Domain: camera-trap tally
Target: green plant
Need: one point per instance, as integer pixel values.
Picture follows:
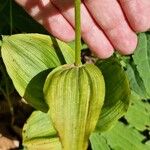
(31, 59)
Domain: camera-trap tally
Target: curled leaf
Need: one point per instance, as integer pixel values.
(75, 96)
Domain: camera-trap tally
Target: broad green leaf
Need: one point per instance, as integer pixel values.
(148, 144)
(124, 137)
(136, 83)
(138, 114)
(117, 94)
(121, 137)
(39, 134)
(141, 58)
(44, 144)
(98, 142)
(27, 55)
(72, 45)
(75, 95)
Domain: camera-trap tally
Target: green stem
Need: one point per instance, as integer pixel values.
(78, 32)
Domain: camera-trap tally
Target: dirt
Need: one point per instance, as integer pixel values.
(8, 143)
(11, 134)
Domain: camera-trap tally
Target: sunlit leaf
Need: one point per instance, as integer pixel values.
(98, 142)
(121, 137)
(39, 134)
(75, 95)
(27, 55)
(138, 114)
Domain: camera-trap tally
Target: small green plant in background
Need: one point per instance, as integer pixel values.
(72, 113)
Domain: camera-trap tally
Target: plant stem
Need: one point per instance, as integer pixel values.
(78, 32)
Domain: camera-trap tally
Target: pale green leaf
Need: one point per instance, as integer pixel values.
(39, 133)
(121, 137)
(72, 44)
(75, 95)
(27, 55)
(43, 144)
(117, 94)
(138, 114)
(148, 144)
(98, 142)
(141, 58)
(125, 138)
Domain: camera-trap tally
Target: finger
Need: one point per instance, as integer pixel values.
(137, 13)
(110, 18)
(49, 16)
(98, 43)
(91, 34)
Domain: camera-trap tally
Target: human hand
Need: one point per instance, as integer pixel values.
(106, 24)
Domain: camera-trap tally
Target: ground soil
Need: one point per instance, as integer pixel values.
(10, 134)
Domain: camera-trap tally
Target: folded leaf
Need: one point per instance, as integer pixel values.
(75, 96)
(26, 55)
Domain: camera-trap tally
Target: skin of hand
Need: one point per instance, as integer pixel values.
(105, 24)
